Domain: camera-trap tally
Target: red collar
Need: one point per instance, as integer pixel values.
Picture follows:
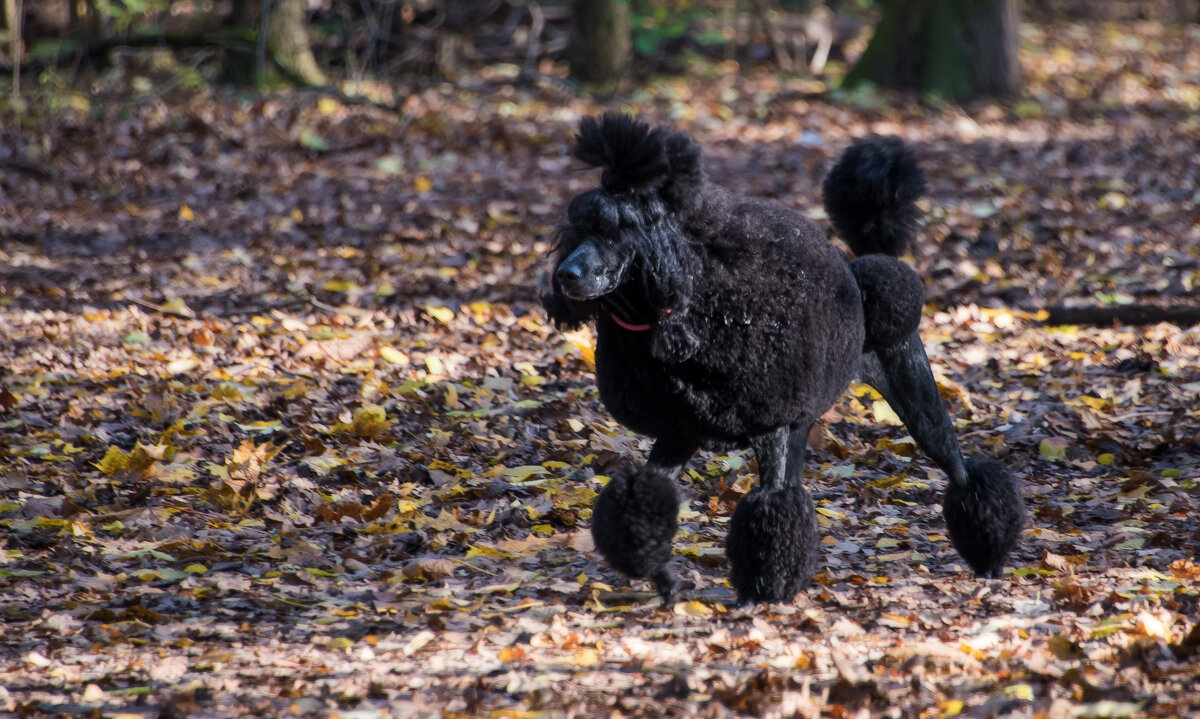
(626, 325)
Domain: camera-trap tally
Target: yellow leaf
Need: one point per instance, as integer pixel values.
(575, 425)
(339, 643)
(180, 366)
(831, 513)
(114, 461)
(327, 105)
(178, 306)
(864, 390)
(583, 341)
(884, 414)
(439, 313)
(951, 708)
(370, 421)
(542, 528)
(1095, 402)
(338, 286)
(247, 460)
(585, 658)
(140, 460)
(422, 184)
(512, 654)
(1106, 458)
(1152, 626)
(1020, 691)
(484, 550)
(1112, 201)
(434, 365)
(186, 214)
(694, 608)
(1054, 448)
(520, 474)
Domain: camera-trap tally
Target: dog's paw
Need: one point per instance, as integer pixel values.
(667, 586)
(772, 545)
(674, 341)
(984, 518)
(634, 521)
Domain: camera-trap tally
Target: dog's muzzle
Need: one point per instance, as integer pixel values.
(585, 274)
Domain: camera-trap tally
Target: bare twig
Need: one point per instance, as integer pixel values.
(14, 43)
(262, 42)
(537, 23)
(160, 309)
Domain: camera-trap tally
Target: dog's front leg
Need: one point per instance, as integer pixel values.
(772, 543)
(983, 507)
(636, 515)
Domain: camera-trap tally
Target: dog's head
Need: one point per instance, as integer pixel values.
(624, 250)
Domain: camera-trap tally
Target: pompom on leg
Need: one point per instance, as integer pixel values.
(633, 523)
(772, 545)
(984, 516)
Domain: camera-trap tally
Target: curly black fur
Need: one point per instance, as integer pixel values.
(723, 322)
(984, 516)
(870, 195)
(633, 522)
(892, 299)
(772, 544)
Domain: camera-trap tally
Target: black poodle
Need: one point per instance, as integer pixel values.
(724, 322)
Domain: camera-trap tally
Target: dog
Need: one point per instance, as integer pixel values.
(724, 322)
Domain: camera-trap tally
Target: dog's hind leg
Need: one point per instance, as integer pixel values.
(772, 543)
(636, 515)
(983, 507)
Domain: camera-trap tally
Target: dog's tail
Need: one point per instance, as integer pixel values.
(871, 194)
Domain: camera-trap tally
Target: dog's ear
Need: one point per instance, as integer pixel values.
(687, 170)
(565, 314)
(673, 341)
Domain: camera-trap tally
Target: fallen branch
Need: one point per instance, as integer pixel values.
(97, 52)
(1133, 314)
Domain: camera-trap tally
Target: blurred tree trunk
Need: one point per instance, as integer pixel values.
(12, 28)
(287, 36)
(956, 48)
(601, 40)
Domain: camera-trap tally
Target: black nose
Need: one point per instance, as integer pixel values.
(569, 272)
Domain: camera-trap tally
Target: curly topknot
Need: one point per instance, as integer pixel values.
(638, 158)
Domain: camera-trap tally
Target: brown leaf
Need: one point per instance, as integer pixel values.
(427, 569)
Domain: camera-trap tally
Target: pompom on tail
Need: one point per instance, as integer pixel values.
(871, 194)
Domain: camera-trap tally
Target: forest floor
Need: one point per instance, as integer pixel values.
(284, 429)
